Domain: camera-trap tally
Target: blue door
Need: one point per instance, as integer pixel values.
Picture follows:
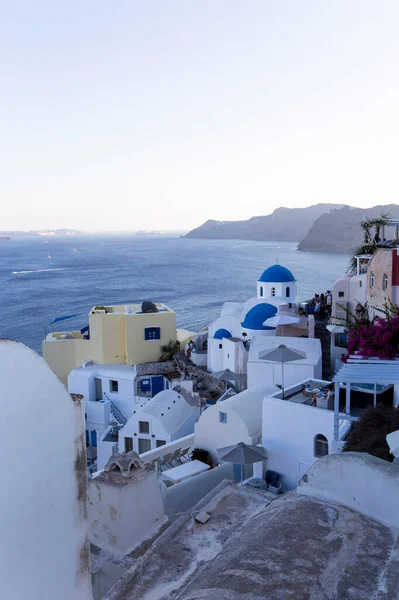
(157, 385)
(94, 438)
(238, 473)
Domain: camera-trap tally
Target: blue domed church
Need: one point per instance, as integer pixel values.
(229, 336)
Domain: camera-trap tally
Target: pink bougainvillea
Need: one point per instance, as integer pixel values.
(379, 338)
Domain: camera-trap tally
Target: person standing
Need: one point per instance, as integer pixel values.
(317, 308)
(323, 305)
(328, 303)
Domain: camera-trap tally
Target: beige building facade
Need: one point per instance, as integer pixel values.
(116, 334)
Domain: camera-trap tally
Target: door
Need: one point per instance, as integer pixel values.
(94, 438)
(157, 385)
(99, 389)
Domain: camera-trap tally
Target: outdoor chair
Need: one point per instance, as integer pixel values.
(184, 453)
(272, 482)
(164, 460)
(174, 456)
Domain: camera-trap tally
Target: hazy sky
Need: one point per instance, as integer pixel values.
(160, 114)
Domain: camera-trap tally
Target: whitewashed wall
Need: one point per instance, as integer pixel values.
(123, 516)
(262, 373)
(210, 434)
(360, 481)
(288, 432)
(44, 549)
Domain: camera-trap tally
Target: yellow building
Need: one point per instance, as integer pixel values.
(129, 334)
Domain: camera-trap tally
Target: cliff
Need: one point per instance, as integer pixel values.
(283, 225)
(339, 230)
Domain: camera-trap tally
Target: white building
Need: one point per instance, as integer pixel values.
(230, 335)
(237, 419)
(112, 393)
(164, 419)
(295, 433)
(125, 505)
(44, 548)
(270, 372)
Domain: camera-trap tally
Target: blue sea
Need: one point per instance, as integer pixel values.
(193, 277)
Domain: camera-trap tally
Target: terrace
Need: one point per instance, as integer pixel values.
(361, 383)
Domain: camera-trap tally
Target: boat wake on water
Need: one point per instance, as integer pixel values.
(37, 271)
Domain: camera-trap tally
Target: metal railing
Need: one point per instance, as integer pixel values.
(116, 412)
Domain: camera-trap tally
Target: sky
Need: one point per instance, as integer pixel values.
(161, 114)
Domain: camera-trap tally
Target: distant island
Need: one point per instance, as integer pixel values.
(340, 231)
(41, 232)
(317, 228)
(283, 225)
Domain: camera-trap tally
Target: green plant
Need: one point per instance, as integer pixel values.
(370, 242)
(202, 455)
(169, 350)
(369, 433)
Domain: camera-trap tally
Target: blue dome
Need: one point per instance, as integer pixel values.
(276, 274)
(258, 314)
(221, 333)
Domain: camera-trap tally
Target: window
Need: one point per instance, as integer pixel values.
(113, 385)
(144, 445)
(261, 290)
(128, 444)
(152, 333)
(320, 446)
(341, 340)
(341, 294)
(145, 385)
(222, 417)
(385, 282)
(371, 279)
(144, 427)
(160, 443)
(273, 291)
(220, 346)
(360, 283)
(87, 438)
(287, 291)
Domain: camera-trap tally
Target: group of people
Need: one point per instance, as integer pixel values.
(321, 305)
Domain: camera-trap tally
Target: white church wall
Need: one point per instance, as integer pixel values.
(44, 547)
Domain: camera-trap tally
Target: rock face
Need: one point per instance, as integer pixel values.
(339, 230)
(283, 225)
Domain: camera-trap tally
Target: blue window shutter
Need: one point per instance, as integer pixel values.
(94, 438)
(87, 436)
(152, 333)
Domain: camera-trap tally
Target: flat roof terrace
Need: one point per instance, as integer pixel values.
(128, 309)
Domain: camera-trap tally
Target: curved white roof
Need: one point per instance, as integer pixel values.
(170, 408)
(248, 405)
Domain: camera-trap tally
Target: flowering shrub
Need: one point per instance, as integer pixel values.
(379, 338)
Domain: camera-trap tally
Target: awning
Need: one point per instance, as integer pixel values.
(64, 318)
(383, 372)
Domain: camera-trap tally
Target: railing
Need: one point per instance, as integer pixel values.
(116, 412)
(180, 444)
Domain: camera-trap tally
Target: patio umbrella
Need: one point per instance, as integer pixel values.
(282, 319)
(282, 354)
(227, 375)
(242, 454)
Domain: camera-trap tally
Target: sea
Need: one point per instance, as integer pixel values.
(42, 278)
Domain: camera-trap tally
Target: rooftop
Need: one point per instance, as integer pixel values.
(290, 547)
(128, 309)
